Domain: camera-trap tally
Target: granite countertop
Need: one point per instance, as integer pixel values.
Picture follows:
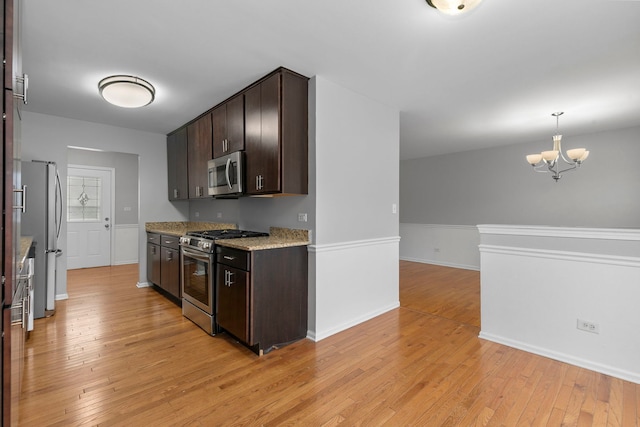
(180, 228)
(25, 245)
(278, 238)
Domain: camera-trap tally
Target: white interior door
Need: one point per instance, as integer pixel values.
(89, 217)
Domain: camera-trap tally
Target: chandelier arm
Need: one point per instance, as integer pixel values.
(569, 169)
(567, 161)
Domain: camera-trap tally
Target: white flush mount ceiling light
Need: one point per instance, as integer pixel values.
(127, 91)
(549, 161)
(453, 7)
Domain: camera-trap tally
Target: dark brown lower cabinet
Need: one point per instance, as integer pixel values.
(163, 263)
(262, 295)
(170, 271)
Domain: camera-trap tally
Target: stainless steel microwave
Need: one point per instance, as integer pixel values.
(226, 175)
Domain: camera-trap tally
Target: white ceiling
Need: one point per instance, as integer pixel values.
(491, 77)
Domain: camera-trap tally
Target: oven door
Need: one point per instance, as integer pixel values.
(197, 278)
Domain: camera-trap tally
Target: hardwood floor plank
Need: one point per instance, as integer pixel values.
(118, 355)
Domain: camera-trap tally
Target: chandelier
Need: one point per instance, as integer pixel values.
(550, 161)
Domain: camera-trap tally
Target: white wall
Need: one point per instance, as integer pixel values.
(354, 258)
(447, 245)
(536, 282)
(46, 137)
(497, 186)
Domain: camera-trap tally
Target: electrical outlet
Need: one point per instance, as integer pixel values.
(219, 215)
(394, 208)
(197, 214)
(585, 325)
(302, 217)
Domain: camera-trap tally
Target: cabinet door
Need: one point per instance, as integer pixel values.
(219, 124)
(153, 263)
(262, 136)
(233, 301)
(200, 151)
(228, 127)
(170, 271)
(235, 124)
(177, 165)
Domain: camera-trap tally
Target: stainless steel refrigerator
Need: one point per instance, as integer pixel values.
(42, 220)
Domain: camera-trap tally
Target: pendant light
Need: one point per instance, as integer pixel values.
(549, 161)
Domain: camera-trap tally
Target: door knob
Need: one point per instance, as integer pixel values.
(106, 226)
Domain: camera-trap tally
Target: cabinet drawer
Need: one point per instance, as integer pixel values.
(153, 238)
(233, 257)
(170, 242)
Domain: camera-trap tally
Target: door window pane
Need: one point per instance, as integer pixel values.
(83, 198)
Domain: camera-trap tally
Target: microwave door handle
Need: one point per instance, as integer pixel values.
(226, 172)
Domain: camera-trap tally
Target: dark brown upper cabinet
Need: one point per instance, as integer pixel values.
(228, 126)
(199, 152)
(177, 165)
(276, 134)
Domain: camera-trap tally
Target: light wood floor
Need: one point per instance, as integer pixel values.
(117, 355)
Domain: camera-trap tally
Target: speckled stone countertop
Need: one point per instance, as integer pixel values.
(278, 238)
(179, 228)
(25, 244)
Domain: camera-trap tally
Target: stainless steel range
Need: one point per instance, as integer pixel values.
(198, 274)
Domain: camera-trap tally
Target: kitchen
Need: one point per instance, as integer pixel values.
(365, 232)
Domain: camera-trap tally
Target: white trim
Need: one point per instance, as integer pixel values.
(351, 323)
(562, 357)
(443, 226)
(60, 297)
(112, 215)
(143, 285)
(571, 232)
(118, 248)
(441, 263)
(562, 255)
(353, 244)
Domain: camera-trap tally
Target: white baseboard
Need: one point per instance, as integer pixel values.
(60, 297)
(126, 262)
(353, 322)
(583, 363)
(143, 285)
(441, 263)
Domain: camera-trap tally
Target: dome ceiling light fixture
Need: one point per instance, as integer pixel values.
(126, 91)
(549, 161)
(453, 7)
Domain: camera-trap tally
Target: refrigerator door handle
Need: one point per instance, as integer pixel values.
(58, 218)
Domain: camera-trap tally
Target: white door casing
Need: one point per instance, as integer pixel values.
(89, 216)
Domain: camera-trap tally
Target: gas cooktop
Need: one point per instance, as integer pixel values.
(225, 234)
(201, 240)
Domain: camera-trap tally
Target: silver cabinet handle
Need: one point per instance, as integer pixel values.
(230, 258)
(228, 278)
(169, 256)
(23, 191)
(175, 193)
(25, 85)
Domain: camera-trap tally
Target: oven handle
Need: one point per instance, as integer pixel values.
(196, 254)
